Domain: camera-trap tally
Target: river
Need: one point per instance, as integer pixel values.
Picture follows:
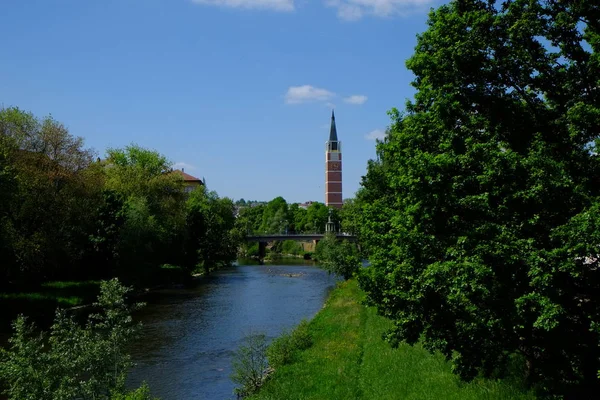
(190, 335)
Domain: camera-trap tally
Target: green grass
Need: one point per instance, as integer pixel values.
(70, 284)
(34, 297)
(349, 360)
(40, 303)
(64, 293)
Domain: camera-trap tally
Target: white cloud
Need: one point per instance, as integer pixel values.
(307, 93)
(352, 10)
(184, 165)
(356, 99)
(375, 134)
(348, 12)
(275, 5)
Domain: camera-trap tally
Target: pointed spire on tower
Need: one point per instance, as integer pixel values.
(333, 130)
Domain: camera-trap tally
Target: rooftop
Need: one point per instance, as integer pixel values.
(186, 177)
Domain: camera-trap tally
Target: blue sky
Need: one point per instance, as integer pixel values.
(236, 91)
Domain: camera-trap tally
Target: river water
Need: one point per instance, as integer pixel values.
(190, 335)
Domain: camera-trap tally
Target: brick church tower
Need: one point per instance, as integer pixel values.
(333, 168)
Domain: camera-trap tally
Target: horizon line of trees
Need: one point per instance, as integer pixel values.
(279, 217)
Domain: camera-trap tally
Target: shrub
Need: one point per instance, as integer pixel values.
(73, 362)
(253, 250)
(281, 350)
(291, 247)
(142, 393)
(284, 348)
(337, 257)
(302, 339)
(250, 365)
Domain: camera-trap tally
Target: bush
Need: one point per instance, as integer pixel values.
(291, 247)
(280, 352)
(73, 362)
(250, 365)
(284, 348)
(337, 257)
(142, 393)
(302, 338)
(253, 250)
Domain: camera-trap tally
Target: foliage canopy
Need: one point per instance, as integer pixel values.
(337, 257)
(481, 212)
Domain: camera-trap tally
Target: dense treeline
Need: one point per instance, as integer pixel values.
(277, 216)
(481, 213)
(66, 214)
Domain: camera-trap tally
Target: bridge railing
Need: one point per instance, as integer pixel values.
(295, 235)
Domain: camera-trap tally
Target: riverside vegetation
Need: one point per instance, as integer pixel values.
(75, 361)
(340, 355)
(481, 213)
(480, 217)
(279, 217)
(68, 221)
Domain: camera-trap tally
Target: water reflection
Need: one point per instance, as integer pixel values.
(190, 334)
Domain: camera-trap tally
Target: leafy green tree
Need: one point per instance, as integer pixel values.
(136, 172)
(275, 216)
(7, 194)
(46, 212)
(250, 219)
(153, 206)
(338, 257)
(211, 240)
(139, 172)
(350, 216)
(296, 217)
(317, 215)
(88, 362)
(105, 238)
(291, 247)
(142, 239)
(480, 212)
(248, 223)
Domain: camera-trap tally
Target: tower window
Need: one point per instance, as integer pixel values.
(334, 146)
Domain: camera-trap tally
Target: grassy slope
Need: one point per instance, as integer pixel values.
(349, 360)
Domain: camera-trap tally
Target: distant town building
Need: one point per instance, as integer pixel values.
(190, 182)
(333, 168)
(305, 205)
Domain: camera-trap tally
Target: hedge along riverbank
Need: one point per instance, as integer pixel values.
(349, 360)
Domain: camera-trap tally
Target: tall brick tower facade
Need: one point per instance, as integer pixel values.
(333, 168)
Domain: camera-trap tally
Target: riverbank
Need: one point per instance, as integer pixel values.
(349, 360)
(189, 335)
